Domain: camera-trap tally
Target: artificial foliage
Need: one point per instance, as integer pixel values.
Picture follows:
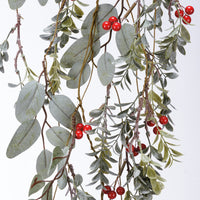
(131, 142)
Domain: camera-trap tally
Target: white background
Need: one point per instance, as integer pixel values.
(16, 174)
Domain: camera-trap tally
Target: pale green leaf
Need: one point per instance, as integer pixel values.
(105, 68)
(59, 136)
(30, 101)
(185, 34)
(77, 52)
(43, 164)
(78, 180)
(75, 73)
(35, 186)
(48, 190)
(15, 4)
(62, 109)
(43, 2)
(25, 136)
(125, 38)
(160, 146)
(151, 173)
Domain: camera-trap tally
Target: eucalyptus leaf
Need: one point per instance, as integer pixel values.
(48, 190)
(62, 109)
(105, 68)
(43, 164)
(62, 181)
(36, 184)
(30, 101)
(15, 4)
(105, 11)
(59, 136)
(43, 2)
(78, 180)
(125, 38)
(75, 72)
(25, 136)
(77, 52)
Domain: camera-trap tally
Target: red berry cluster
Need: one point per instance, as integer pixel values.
(112, 22)
(185, 14)
(136, 150)
(111, 193)
(80, 128)
(163, 120)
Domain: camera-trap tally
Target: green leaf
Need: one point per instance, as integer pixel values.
(25, 136)
(15, 4)
(43, 164)
(166, 153)
(105, 11)
(145, 158)
(105, 68)
(125, 38)
(62, 109)
(171, 75)
(30, 101)
(59, 136)
(160, 146)
(153, 6)
(75, 73)
(168, 51)
(156, 186)
(62, 181)
(181, 50)
(151, 173)
(78, 180)
(78, 11)
(49, 191)
(43, 2)
(177, 153)
(95, 113)
(77, 51)
(35, 187)
(185, 34)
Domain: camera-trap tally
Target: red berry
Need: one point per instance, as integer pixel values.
(120, 190)
(79, 126)
(150, 123)
(106, 25)
(135, 152)
(189, 10)
(79, 134)
(87, 128)
(113, 19)
(179, 12)
(116, 26)
(143, 147)
(112, 195)
(186, 18)
(163, 120)
(106, 189)
(156, 130)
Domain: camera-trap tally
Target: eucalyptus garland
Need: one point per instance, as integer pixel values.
(131, 142)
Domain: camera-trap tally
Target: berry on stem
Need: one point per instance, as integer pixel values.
(179, 13)
(79, 126)
(156, 130)
(113, 19)
(189, 10)
(120, 190)
(143, 147)
(150, 123)
(116, 26)
(112, 195)
(186, 19)
(163, 120)
(106, 25)
(106, 189)
(79, 134)
(87, 128)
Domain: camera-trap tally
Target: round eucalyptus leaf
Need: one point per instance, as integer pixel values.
(15, 4)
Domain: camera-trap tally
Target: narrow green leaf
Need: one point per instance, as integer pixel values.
(166, 153)
(25, 136)
(30, 101)
(48, 190)
(106, 68)
(160, 146)
(177, 153)
(185, 34)
(171, 75)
